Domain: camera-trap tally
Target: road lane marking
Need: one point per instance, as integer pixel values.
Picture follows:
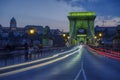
(37, 66)
(39, 60)
(81, 71)
(84, 75)
(76, 78)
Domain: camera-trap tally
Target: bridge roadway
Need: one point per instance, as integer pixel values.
(76, 64)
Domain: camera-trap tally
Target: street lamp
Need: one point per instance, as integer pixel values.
(95, 37)
(68, 37)
(64, 35)
(100, 38)
(100, 34)
(31, 32)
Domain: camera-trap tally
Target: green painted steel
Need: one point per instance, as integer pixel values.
(81, 23)
(81, 14)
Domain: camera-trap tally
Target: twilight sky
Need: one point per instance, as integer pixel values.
(54, 12)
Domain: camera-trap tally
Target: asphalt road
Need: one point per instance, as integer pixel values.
(80, 64)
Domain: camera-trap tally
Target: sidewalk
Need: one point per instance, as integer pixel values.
(11, 52)
(18, 56)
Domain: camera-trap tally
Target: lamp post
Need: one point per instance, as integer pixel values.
(95, 37)
(68, 37)
(64, 35)
(31, 33)
(100, 36)
(96, 43)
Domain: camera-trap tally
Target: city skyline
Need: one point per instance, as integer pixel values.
(54, 12)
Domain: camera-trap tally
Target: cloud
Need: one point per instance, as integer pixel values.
(77, 3)
(78, 9)
(107, 21)
(101, 7)
(72, 5)
(107, 11)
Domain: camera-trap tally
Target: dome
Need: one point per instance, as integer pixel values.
(13, 19)
(13, 23)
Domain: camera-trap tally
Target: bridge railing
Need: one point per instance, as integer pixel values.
(19, 56)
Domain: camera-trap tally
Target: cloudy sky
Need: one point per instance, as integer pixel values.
(54, 12)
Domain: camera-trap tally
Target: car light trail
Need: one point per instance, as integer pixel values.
(26, 63)
(39, 65)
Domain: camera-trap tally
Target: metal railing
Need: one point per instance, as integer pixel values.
(16, 57)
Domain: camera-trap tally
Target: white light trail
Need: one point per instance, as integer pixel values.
(37, 66)
(26, 63)
(81, 71)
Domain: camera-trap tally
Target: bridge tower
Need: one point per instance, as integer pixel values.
(81, 27)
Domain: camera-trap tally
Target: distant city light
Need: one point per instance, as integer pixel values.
(32, 31)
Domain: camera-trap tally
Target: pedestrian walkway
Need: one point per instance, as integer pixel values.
(19, 56)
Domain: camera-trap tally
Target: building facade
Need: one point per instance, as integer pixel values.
(13, 24)
(116, 39)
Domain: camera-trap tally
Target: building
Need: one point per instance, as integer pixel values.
(11, 35)
(55, 32)
(106, 38)
(18, 36)
(116, 39)
(13, 24)
(38, 29)
(0, 28)
(57, 37)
